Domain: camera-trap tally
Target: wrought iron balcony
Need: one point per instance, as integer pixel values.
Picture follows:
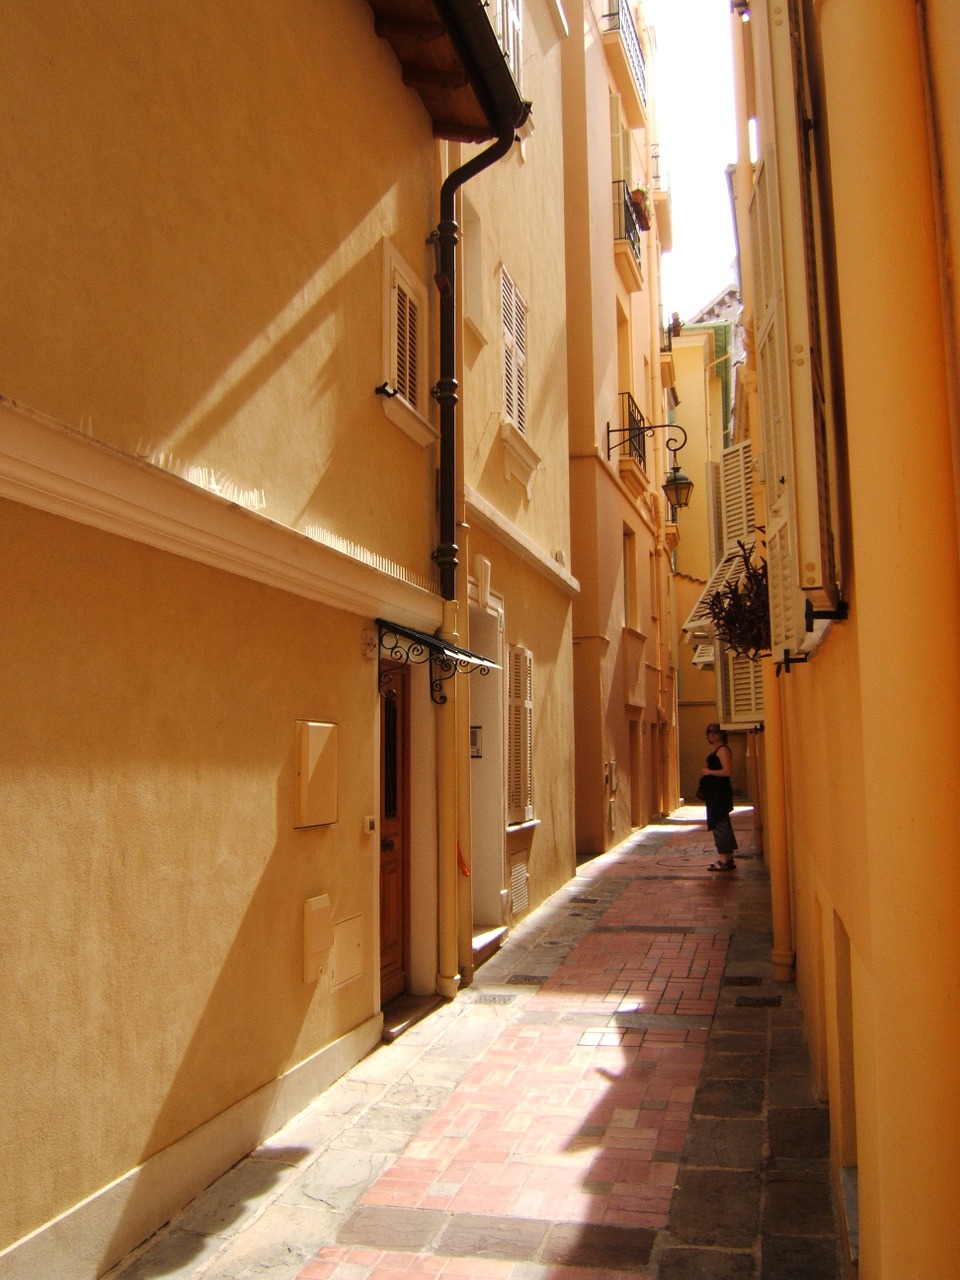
(626, 226)
(629, 437)
(619, 19)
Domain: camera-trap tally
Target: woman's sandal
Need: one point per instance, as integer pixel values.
(728, 865)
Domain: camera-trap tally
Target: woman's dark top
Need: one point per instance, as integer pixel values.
(717, 792)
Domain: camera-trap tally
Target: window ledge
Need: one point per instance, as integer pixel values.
(527, 825)
(520, 461)
(404, 416)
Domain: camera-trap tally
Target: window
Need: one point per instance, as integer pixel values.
(406, 342)
(519, 735)
(739, 688)
(793, 368)
(472, 255)
(514, 311)
(509, 32)
(631, 611)
(404, 348)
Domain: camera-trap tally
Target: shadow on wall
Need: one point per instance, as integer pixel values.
(147, 775)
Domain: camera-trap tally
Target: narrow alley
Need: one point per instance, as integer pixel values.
(623, 1089)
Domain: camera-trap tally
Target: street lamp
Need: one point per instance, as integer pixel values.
(678, 486)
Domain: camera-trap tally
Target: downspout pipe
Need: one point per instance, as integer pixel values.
(468, 25)
(448, 796)
(445, 392)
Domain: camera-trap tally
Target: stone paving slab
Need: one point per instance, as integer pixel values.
(624, 1090)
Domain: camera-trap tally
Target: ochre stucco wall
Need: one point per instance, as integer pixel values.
(154, 959)
(202, 284)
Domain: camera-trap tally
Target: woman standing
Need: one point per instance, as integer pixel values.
(716, 790)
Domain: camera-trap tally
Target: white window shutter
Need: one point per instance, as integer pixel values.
(746, 689)
(786, 604)
(620, 154)
(790, 367)
(520, 339)
(786, 609)
(519, 735)
(736, 496)
(771, 332)
(514, 312)
(510, 33)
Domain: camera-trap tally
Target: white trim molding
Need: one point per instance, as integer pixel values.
(96, 1233)
(486, 516)
(54, 468)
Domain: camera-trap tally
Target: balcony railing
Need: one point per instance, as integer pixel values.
(621, 19)
(625, 224)
(628, 437)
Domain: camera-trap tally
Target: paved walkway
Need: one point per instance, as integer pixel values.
(624, 1089)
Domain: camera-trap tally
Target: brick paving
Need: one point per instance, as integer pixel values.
(624, 1089)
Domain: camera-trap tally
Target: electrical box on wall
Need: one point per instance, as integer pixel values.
(317, 783)
(317, 936)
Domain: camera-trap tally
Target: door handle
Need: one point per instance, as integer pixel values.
(386, 846)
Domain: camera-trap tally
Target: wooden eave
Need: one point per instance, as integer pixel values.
(449, 54)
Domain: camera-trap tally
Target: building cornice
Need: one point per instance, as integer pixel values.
(57, 469)
(486, 516)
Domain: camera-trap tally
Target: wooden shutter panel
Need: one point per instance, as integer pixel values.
(616, 138)
(514, 311)
(406, 343)
(520, 338)
(786, 607)
(509, 348)
(796, 142)
(715, 511)
(736, 496)
(786, 610)
(519, 735)
(512, 39)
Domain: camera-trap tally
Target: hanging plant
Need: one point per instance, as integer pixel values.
(741, 610)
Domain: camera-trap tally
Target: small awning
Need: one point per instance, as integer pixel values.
(729, 570)
(402, 645)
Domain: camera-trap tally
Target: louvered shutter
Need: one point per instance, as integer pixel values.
(512, 38)
(728, 571)
(813, 524)
(514, 313)
(619, 157)
(736, 498)
(519, 735)
(790, 364)
(406, 343)
(715, 512)
(739, 688)
(775, 406)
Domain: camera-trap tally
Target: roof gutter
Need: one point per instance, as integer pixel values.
(476, 43)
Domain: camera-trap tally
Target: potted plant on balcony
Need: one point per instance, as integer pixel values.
(640, 199)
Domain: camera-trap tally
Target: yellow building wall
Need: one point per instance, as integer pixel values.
(869, 721)
(512, 219)
(624, 666)
(700, 411)
(187, 266)
(154, 961)
(192, 279)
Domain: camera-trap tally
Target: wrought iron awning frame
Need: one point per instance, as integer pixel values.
(405, 645)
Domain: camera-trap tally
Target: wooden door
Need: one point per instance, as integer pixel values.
(394, 841)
